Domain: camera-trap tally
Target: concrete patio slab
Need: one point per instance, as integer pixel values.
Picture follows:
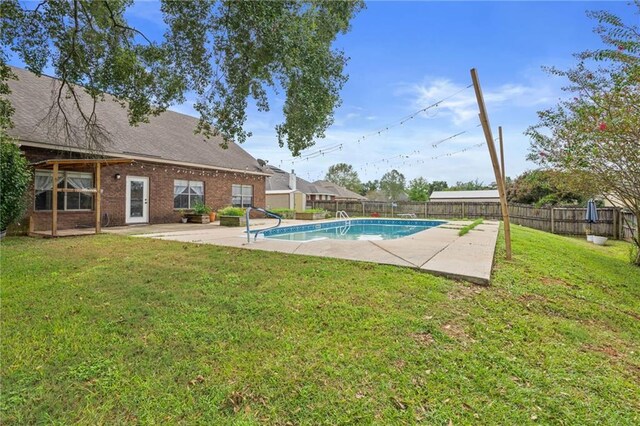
(351, 250)
(421, 247)
(437, 250)
(469, 257)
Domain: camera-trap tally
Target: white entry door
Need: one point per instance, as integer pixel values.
(137, 204)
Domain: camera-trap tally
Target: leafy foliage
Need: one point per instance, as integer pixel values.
(201, 208)
(392, 184)
(15, 178)
(472, 185)
(595, 134)
(543, 187)
(370, 186)
(344, 175)
(419, 189)
(224, 52)
(231, 211)
(6, 109)
(439, 185)
(284, 213)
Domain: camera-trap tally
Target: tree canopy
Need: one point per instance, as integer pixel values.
(344, 175)
(225, 52)
(419, 189)
(439, 185)
(370, 186)
(595, 134)
(392, 184)
(544, 187)
(472, 185)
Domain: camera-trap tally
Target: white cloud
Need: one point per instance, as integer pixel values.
(462, 107)
(409, 147)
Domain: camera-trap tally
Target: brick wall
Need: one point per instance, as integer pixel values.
(217, 187)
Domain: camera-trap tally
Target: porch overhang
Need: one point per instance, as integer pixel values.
(75, 164)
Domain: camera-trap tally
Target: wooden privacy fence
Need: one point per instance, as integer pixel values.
(629, 225)
(557, 220)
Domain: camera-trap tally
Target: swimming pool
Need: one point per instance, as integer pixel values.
(354, 229)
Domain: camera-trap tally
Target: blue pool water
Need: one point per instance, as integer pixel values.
(354, 229)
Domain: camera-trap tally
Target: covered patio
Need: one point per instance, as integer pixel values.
(58, 165)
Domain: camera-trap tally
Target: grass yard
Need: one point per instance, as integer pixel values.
(113, 329)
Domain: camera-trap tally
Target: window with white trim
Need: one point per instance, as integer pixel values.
(43, 190)
(187, 193)
(241, 195)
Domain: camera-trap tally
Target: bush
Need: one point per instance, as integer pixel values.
(284, 213)
(231, 211)
(314, 211)
(201, 208)
(15, 178)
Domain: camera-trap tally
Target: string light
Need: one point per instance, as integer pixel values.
(202, 172)
(336, 147)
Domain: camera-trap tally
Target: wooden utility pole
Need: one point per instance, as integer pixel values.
(504, 173)
(500, 181)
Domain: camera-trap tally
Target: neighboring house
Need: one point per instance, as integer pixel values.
(283, 190)
(341, 193)
(172, 167)
(288, 191)
(490, 195)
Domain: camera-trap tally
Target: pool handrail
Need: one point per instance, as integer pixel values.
(256, 232)
(341, 214)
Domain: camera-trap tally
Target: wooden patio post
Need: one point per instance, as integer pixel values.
(504, 173)
(54, 202)
(494, 161)
(97, 200)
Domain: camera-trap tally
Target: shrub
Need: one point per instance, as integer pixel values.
(284, 213)
(231, 211)
(314, 211)
(15, 178)
(201, 208)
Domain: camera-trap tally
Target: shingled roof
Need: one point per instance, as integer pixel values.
(340, 191)
(167, 138)
(279, 181)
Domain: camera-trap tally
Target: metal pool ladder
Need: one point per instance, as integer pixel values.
(256, 232)
(341, 214)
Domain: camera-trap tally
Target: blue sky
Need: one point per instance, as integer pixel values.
(408, 55)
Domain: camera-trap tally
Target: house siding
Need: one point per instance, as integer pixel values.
(217, 191)
(278, 201)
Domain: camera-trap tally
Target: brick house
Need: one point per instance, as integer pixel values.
(172, 168)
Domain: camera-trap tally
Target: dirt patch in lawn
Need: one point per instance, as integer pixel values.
(608, 350)
(463, 292)
(424, 339)
(456, 332)
(556, 281)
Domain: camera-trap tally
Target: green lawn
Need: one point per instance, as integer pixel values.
(126, 330)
